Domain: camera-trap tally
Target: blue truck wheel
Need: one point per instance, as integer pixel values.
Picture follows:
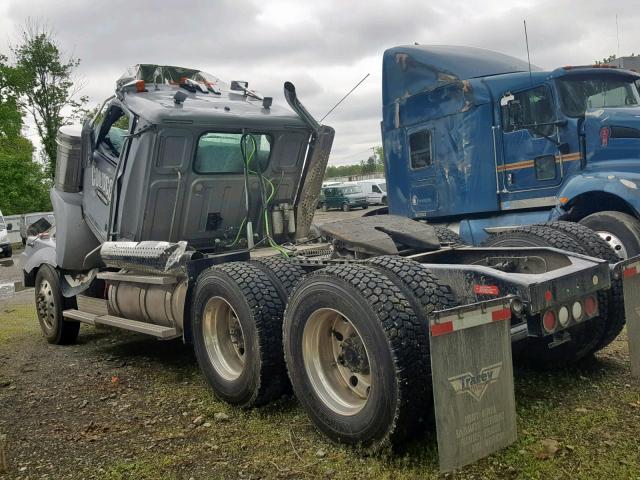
(620, 230)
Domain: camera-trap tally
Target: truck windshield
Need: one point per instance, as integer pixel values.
(351, 190)
(578, 93)
(383, 186)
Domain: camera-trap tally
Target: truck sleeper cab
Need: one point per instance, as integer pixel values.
(475, 140)
(163, 202)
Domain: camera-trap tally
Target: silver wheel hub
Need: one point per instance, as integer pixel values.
(223, 338)
(615, 243)
(336, 361)
(46, 305)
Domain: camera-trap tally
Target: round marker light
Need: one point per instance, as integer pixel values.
(549, 321)
(595, 280)
(590, 306)
(576, 310)
(563, 316)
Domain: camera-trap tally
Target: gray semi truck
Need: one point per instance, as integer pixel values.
(183, 210)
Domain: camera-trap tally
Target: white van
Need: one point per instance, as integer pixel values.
(5, 246)
(375, 189)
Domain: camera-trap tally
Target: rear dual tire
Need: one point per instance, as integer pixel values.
(237, 334)
(357, 350)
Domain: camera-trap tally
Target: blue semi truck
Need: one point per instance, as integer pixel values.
(480, 142)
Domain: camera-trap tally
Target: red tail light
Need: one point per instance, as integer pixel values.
(605, 133)
(549, 321)
(590, 306)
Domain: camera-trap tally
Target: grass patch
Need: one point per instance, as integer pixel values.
(17, 321)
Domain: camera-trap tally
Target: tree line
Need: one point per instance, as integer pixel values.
(373, 164)
(37, 84)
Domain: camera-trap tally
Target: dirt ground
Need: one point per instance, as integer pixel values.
(120, 405)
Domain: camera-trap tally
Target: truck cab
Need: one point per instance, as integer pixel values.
(164, 159)
(482, 141)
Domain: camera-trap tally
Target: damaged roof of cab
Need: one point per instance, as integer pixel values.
(206, 99)
(411, 69)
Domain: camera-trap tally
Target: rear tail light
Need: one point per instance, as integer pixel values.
(590, 306)
(563, 316)
(576, 310)
(549, 321)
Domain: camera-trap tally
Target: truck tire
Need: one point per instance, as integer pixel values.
(355, 354)
(8, 251)
(49, 307)
(284, 273)
(384, 200)
(237, 334)
(346, 207)
(447, 236)
(596, 246)
(324, 207)
(584, 337)
(619, 230)
(426, 294)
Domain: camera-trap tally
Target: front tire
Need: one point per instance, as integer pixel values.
(346, 207)
(49, 307)
(355, 353)
(237, 334)
(619, 230)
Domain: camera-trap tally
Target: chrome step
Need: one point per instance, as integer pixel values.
(97, 306)
(84, 317)
(157, 331)
(137, 278)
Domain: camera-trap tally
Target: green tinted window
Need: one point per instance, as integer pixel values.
(220, 153)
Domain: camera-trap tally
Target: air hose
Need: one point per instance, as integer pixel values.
(247, 157)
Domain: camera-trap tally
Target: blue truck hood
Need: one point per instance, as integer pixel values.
(411, 69)
(623, 144)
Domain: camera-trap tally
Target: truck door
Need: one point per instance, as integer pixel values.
(423, 194)
(100, 171)
(530, 160)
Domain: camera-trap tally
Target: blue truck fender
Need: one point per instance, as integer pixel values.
(592, 186)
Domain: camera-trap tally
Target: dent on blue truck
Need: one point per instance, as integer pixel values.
(479, 140)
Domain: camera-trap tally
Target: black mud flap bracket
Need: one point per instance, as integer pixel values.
(629, 271)
(472, 373)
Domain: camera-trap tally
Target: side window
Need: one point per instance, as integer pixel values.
(115, 126)
(220, 153)
(376, 189)
(420, 149)
(530, 107)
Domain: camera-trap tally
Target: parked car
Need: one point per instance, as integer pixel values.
(375, 189)
(5, 245)
(29, 224)
(345, 197)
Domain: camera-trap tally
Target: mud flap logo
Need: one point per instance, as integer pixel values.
(476, 385)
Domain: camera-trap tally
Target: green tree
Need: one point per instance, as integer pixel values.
(45, 84)
(23, 184)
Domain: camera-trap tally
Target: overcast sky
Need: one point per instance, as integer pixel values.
(323, 47)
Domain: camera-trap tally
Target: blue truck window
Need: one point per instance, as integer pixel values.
(220, 153)
(420, 148)
(536, 107)
(577, 93)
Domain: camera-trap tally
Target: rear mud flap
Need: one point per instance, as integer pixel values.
(472, 374)
(629, 270)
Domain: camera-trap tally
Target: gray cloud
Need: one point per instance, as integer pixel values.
(324, 48)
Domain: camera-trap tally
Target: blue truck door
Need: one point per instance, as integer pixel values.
(423, 195)
(530, 162)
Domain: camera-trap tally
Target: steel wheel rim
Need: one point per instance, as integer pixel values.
(336, 361)
(223, 338)
(46, 305)
(615, 243)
